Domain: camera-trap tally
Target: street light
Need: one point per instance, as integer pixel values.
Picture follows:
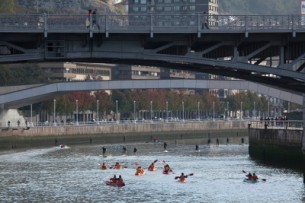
(97, 110)
(54, 114)
(198, 103)
(268, 109)
(241, 110)
(228, 114)
(31, 115)
(166, 111)
(134, 111)
(116, 109)
(213, 111)
(76, 112)
(183, 111)
(151, 111)
(254, 110)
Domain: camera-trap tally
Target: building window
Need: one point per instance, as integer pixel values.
(143, 1)
(176, 8)
(192, 8)
(167, 8)
(135, 9)
(159, 8)
(143, 8)
(167, 1)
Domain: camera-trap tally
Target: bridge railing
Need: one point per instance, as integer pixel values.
(148, 23)
(277, 124)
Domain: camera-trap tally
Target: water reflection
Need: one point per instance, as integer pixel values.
(73, 175)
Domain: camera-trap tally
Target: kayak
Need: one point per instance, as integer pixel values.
(182, 181)
(246, 180)
(140, 174)
(166, 172)
(152, 169)
(114, 184)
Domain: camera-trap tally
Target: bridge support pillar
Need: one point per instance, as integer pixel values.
(303, 142)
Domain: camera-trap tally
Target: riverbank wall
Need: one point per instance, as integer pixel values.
(282, 147)
(213, 132)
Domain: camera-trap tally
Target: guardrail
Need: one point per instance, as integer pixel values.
(16, 125)
(278, 124)
(149, 23)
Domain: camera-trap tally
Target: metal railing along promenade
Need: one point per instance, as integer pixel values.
(215, 122)
(171, 23)
(277, 124)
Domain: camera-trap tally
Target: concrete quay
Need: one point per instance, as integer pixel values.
(198, 132)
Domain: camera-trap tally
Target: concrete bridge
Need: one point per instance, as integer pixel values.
(264, 49)
(18, 96)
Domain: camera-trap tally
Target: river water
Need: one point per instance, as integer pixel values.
(73, 174)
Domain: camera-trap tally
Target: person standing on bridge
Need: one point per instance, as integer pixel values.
(94, 21)
(88, 19)
(205, 22)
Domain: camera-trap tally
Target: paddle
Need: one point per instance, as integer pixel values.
(263, 179)
(191, 174)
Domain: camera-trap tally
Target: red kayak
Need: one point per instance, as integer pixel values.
(115, 184)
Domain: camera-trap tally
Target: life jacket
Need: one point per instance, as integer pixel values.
(104, 167)
(140, 171)
(113, 180)
(182, 179)
(152, 167)
(117, 166)
(254, 177)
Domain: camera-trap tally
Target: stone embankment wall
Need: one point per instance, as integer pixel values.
(122, 128)
(277, 146)
(207, 132)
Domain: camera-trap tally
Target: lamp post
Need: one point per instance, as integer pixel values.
(198, 104)
(268, 109)
(166, 111)
(254, 112)
(134, 111)
(76, 101)
(228, 114)
(241, 110)
(54, 113)
(97, 110)
(151, 111)
(117, 110)
(213, 111)
(183, 111)
(31, 115)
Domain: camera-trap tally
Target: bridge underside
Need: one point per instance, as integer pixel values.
(23, 95)
(276, 59)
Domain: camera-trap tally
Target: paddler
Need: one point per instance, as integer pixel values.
(167, 169)
(140, 171)
(103, 166)
(254, 176)
(113, 179)
(120, 181)
(182, 178)
(152, 167)
(117, 165)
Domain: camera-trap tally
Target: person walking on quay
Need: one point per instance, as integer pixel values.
(135, 150)
(104, 151)
(164, 146)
